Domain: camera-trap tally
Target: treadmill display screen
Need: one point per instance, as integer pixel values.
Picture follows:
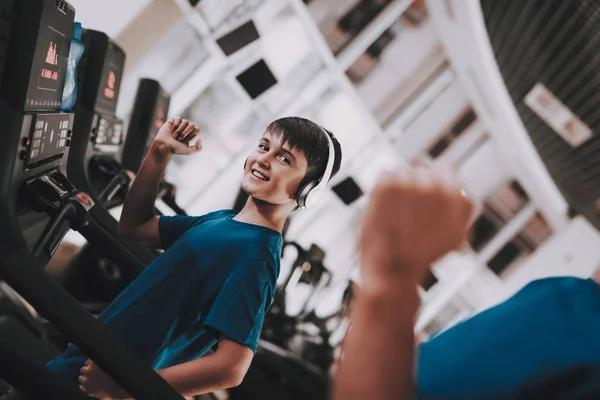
(109, 134)
(110, 82)
(45, 88)
(48, 138)
(48, 77)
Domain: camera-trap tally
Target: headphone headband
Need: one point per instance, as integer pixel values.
(312, 192)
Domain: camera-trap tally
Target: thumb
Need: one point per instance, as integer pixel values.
(193, 149)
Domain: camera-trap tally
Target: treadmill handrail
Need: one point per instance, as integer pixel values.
(33, 380)
(119, 181)
(102, 231)
(25, 274)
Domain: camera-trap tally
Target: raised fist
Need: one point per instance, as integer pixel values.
(177, 134)
(413, 218)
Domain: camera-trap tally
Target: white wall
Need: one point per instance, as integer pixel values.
(423, 131)
(575, 252)
(109, 16)
(484, 171)
(400, 59)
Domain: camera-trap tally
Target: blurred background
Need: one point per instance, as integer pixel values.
(399, 82)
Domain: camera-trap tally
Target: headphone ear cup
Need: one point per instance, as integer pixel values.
(304, 193)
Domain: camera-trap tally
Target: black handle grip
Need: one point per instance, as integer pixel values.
(173, 205)
(54, 232)
(73, 213)
(118, 182)
(32, 380)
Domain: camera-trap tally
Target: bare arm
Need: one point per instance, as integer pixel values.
(137, 219)
(379, 348)
(412, 220)
(224, 369)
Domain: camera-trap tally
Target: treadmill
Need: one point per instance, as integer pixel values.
(34, 191)
(97, 139)
(95, 276)
(149, 115)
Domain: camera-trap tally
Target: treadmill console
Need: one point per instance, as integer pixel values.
(48, 139)
(100, 72)
(107, 133)
(150, 112)
(32, 85)
(33, 80)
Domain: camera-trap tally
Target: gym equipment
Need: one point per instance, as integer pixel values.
(96, 276)
(279, 327)
(34, 193)
(279, 374)
(149, 115)
(313, 340)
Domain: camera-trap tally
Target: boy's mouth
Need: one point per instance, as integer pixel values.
(259, 175)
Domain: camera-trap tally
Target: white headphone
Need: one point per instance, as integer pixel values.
(310, 194)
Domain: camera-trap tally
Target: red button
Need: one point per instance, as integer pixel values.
(84, 198)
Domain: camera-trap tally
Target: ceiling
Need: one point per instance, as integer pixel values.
(555, 43)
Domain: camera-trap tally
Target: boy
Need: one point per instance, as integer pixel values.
(216, 278)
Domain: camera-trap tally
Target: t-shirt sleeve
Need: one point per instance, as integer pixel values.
(242, 303)
(171, 228)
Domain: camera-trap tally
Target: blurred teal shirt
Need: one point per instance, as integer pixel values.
(550, 325)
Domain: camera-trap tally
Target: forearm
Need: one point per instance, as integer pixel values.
(379, 348)
(201, 376)
(139, 203)
(197, 377)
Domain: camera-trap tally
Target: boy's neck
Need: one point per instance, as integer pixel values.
(272, 216)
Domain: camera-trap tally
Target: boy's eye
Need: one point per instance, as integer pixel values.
(285, 159)
(263, 146)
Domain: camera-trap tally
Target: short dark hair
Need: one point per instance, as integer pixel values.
(306, 136)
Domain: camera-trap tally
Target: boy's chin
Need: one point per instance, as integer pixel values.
(262, 196)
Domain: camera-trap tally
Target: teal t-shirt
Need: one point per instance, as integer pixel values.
(216, 277)
(549, 326)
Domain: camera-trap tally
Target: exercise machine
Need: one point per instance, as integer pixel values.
(35, 192)
(94, 275)
(279, 327)
(92, 165)
(149, 114)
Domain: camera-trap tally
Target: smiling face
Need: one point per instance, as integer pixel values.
(274, 171)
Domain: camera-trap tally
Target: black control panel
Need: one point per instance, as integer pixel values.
(33, 80)
(150, 112)
(49, 138)
(107, 133)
